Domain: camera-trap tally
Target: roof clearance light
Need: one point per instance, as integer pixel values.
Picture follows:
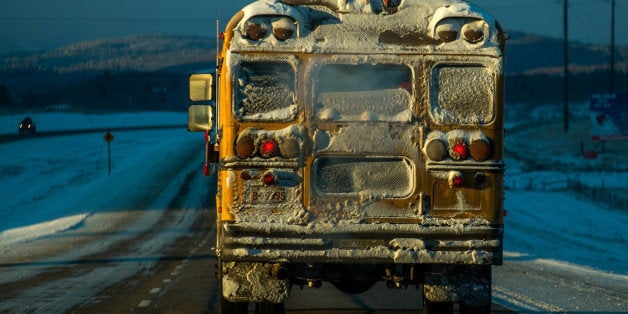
(255, 31)
(459, 150)
(447, 31)
(283, 28)
(269, 148)
(474, 32)
(436, 150)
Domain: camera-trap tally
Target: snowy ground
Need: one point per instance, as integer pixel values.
(58, 183)
(54, 184)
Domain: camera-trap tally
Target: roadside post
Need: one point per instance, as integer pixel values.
(108, 138)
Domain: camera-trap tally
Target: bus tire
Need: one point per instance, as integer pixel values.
(475, 309)
(227, 307)
(269, 308)
(431, 307)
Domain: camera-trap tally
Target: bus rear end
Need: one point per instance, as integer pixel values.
(358, 142)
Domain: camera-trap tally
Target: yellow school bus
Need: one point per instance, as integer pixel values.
(356, 142)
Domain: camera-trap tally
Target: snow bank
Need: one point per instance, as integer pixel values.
(559, 226)
(12, 236)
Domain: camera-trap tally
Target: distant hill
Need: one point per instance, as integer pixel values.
(140, 72)
(529, 53)
(133, 53)
(150, 72)
(535, 66)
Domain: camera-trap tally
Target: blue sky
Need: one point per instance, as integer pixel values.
(44, 24)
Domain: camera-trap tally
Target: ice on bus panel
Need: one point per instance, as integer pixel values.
(355, 142)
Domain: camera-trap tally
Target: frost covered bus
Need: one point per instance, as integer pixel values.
(356, 142)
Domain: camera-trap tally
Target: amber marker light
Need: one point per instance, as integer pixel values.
(290, 148)
(245, 147)
(480, 150)
(436, 150)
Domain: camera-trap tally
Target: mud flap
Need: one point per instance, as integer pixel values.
(469, 285)
(252, 282)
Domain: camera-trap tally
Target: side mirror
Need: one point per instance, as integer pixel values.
(200, 118)
(201, 87)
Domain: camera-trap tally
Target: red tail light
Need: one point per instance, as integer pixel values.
(459, 150)
(269, 148)
(269, 179)
(456, 180)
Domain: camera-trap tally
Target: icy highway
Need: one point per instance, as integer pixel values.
(75, 240)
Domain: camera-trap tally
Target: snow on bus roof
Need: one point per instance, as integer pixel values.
(350, 25)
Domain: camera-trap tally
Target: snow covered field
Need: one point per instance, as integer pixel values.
(54, 184)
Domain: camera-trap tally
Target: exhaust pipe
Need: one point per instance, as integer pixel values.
(279, 272)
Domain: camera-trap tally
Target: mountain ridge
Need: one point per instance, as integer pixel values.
(139, 69)
(524, 53)
(131, 53)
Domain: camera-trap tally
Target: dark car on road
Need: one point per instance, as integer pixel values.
(27, 126)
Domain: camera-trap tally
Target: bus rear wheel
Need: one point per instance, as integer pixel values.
(269, 308)
(227, 307)
(431, 307)
(475, 309)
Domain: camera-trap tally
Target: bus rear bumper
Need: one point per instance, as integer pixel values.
(468, 242)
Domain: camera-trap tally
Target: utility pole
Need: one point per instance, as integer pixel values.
(612, 86)
(566, 69)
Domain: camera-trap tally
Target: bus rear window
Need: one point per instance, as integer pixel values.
(265, 91)
(462, 95)
(363, 92)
